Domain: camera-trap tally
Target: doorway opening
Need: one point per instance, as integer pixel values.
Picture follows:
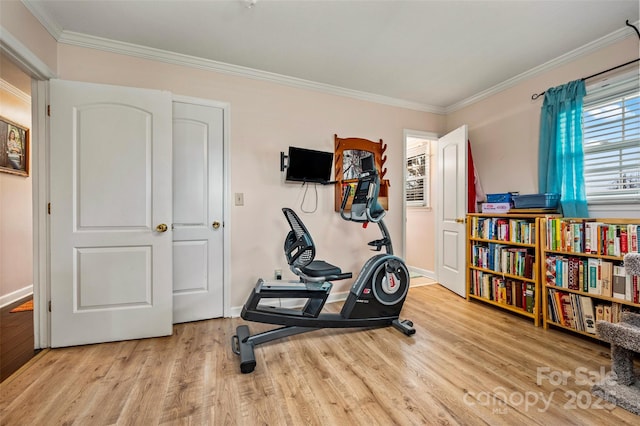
(17, 342)
(418, 196)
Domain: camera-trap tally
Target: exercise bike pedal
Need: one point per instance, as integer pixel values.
(378, 244)
(405, 326)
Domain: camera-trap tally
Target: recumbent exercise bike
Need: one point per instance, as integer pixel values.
(375, 298)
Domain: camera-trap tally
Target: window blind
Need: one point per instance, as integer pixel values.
(417, 182)
(611, 131)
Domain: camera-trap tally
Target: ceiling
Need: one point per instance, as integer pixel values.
(434, 54)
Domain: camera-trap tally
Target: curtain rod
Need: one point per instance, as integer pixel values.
(537, 95)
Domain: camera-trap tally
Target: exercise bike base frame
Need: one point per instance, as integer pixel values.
(243, 343)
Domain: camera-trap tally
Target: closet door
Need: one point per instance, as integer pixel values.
(198, 210)
(111, 213)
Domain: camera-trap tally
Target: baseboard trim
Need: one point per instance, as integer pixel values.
(423, 272)
(14, 296)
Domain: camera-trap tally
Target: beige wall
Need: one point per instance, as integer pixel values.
(504, 128)
(23, 26)
(267, 118)
(16, 257)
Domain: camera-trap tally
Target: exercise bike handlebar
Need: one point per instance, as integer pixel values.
(364, 199)
(345, 197)
(370, 199)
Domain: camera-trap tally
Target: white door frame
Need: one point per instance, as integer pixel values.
(40, 73)
(40, 194)
(408, 133)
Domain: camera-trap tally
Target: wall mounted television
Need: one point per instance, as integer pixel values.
(308, 165)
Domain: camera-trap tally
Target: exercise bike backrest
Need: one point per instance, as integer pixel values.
(298, 245)
(300, 253)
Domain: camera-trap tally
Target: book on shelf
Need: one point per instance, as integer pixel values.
(595, 284)
(572, 310)
(619, 287)
(608, 313)
(600, 277)
(530, 289)
(503, 290)
(550, 270)
(589, 236)
(606, 278)
(580, 312)
(588, 315)
(504, 229)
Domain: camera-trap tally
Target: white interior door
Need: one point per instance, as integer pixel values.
(110, 178)
(197, 211)
(451, 210)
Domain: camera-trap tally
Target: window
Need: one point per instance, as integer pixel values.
(417, 182)
(611, 130)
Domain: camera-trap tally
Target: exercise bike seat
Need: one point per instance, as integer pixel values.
(300, 253)
(320, 268)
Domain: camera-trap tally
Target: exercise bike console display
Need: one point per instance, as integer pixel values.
(375, 299)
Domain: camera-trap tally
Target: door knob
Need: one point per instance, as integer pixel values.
(459, 220)
(216, 225)
(161, 228)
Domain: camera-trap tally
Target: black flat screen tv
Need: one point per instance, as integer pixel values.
(308, 165)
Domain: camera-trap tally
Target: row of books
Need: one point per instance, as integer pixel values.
(592, 275)
(503, 229)
(503, 290)
(503, 258)
(592, 237)
(580, 312)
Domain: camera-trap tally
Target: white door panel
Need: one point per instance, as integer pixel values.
(110, 186)
(197, 204)
(451, 209)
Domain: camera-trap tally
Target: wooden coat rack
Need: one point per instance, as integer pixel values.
(353, 149)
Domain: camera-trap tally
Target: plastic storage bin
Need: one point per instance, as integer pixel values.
(537, 201)
(499, 198)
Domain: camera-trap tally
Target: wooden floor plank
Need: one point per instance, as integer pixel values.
(468, 364)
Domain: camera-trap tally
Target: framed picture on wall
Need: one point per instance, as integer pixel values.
(14, 148)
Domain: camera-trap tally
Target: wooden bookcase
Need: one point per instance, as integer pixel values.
(503, 262)
(581, 258)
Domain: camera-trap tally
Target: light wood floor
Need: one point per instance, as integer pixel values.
(467, 364)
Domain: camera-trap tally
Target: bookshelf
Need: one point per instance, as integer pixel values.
(584, 277)
(503, 258)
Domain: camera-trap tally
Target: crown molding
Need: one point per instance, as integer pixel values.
(99, 43)
(588, 48)
(10, 88)
(23, 57)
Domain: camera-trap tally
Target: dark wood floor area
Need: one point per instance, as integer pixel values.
(16, 338)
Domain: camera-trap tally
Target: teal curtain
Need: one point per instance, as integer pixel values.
(561, 155)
